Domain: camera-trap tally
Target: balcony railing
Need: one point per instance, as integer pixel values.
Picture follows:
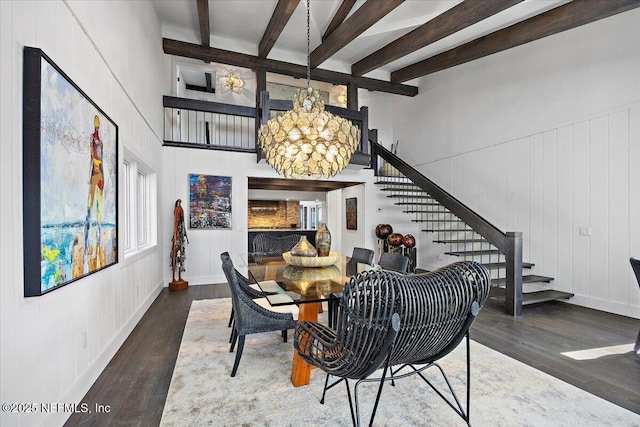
(205, 124)
(213, 125)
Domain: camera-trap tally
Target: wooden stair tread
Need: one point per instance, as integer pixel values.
(429, 212)
(448, 230)
(473, 253)
(408, 184)
(409, 196)
(528, 278)
(456, 241)
(409, 190)
(494, 265)
(418, 204)
(436, 220)
(539, 296)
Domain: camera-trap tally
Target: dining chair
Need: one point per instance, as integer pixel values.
(635, 265)
(363, 255)
(252, 289)
(266, 243)
(433, 314)
(393, 262)
(251, 317)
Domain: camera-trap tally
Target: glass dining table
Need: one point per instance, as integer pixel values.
(307, 287)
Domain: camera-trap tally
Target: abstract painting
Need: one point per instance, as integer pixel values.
(209, 201)
(352, 213)
(70, 170)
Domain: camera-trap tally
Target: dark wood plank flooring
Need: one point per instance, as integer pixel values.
(136, 381)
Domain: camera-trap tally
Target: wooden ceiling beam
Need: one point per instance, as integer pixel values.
(363, 18)
(283, 11)
(255, 183)
(457, 18)
(203, 18)
(195, 51)
(562, 18)
(339, 17)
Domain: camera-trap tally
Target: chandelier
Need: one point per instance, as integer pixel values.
(307, 141)
(233, 82)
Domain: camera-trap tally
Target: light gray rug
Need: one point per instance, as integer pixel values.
(504, 391)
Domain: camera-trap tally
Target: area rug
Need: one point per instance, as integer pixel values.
(504, 392)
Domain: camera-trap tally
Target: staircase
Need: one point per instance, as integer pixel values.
(465, 234)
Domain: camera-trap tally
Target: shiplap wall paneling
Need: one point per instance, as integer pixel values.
(536, 196)
(501, 188)
(598, 207)
(564, 184)
(549, 207)
(634, 200)
(511, 185)
(522, 194)
(490, 168)
(581, 214)
(618, 207)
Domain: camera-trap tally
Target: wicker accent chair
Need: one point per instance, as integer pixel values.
(393, 262)
(635, 265)
(252, 289)
(363, 255)
(268, 244)
(435, 309)
(250, 317)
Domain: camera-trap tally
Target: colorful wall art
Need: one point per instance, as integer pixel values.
(209, 201)
(70, 170)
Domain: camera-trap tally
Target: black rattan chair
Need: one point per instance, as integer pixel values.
(435, 309)
(635, 265)
(363, 255)
(268, 244)
(247, 285)
(393, 262)
(251, 318)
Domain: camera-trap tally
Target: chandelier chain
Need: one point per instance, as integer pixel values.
(308, 41)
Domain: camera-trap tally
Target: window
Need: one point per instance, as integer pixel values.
(140, 218)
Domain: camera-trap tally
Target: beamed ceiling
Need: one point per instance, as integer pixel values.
(381, 45)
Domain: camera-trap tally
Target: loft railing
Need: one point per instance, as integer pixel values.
(205, 124)
(509, 244)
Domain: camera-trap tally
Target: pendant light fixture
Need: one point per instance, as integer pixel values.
(308, 141)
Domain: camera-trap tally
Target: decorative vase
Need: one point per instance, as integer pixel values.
(409, 241)
(395, 239)
(303, 248)
(323, 240)
(383, 231)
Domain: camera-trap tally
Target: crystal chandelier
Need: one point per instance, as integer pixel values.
(307, 141)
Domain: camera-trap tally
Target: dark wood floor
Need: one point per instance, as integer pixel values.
(136, 381)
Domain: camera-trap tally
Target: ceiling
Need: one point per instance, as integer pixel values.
(372, 44)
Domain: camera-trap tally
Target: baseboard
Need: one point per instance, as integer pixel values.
(200, 280)
(608, 306)
(80, 388)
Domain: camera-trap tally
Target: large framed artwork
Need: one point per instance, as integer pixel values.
(209, 201)
(352, 213)
(70, 185)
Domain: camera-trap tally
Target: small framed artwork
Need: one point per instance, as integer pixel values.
(352, 213)
(209, 201)
(70, 185)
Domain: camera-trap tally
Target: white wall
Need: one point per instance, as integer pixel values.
(112, 50)
(544, 139)
(203, 265)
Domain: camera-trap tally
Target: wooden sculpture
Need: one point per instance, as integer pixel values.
(178, 248)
